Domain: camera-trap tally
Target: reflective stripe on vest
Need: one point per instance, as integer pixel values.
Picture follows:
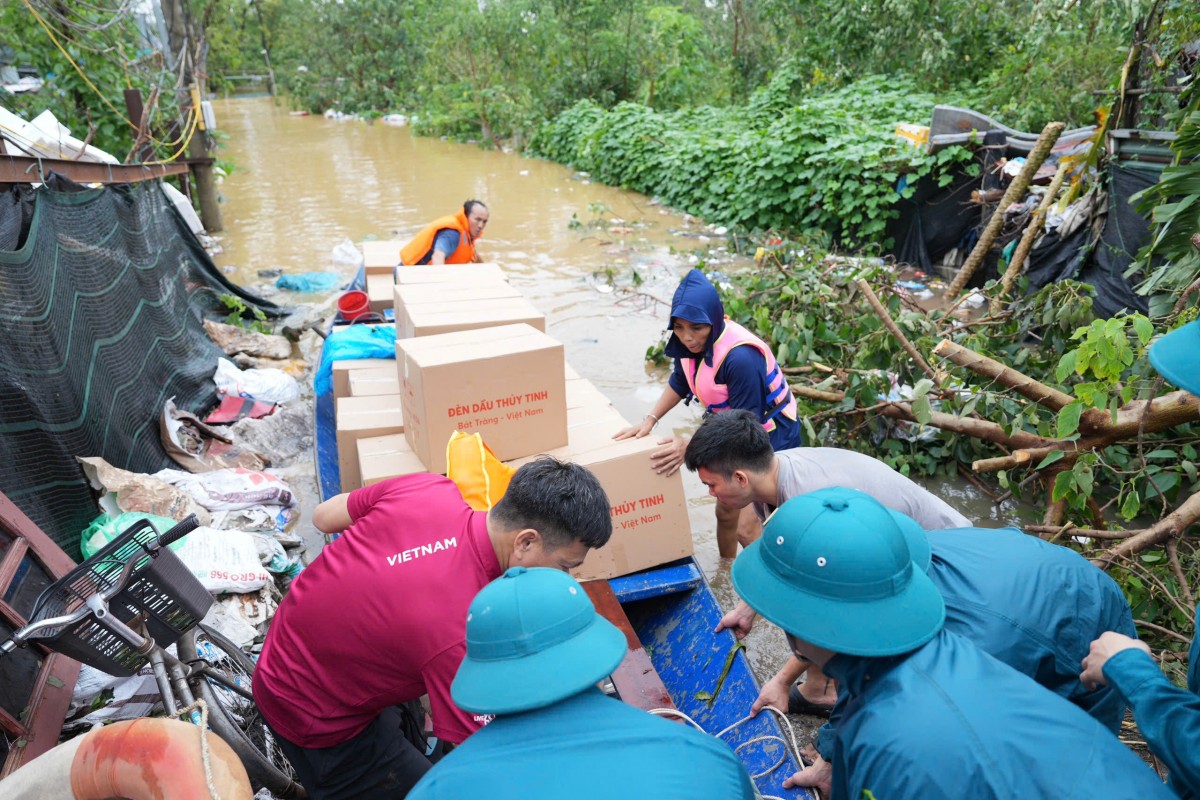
(702, 379)
(422, 243)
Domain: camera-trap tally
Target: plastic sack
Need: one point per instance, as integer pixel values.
(198, 447)
(356, 341)
(310, 282)
(105, 528)
(224, 561)
(481, 477)
(228, 489)
(267, 385)
(234, 339)
(121, 490)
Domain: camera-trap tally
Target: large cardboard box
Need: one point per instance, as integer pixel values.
(505, 383)
(441, 297)
(457, 274)
(381, 257)
(588, 427)
(648, 510)
(383, 457)
(439, 292)
(363, 418)
(374, 381)
(379, 291)
(429, 319)
(342, 369)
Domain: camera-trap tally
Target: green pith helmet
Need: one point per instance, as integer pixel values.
(834, 568)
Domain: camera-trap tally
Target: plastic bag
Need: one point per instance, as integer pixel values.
(356, 341)
(198, 447)
(481, 477)
(347, 254)
(224, 561)
(267, 385)
(105, 528)
(225, 489)
(122, 490)
(310, 282)
(233, 340)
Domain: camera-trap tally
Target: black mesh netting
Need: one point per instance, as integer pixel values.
(101, 299)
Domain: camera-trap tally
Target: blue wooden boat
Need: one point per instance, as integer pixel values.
(672, 612)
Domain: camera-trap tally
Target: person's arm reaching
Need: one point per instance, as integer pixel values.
(1167, 715)
(666, 401)
(333, 515)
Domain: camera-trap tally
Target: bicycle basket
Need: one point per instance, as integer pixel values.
(161, 593)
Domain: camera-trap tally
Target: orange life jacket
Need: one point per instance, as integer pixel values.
(422, 243)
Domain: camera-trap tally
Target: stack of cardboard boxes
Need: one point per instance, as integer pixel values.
(472, 355)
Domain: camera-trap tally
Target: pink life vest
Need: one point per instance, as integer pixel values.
(702, 379)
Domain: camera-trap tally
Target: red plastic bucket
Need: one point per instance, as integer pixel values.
(354, 304)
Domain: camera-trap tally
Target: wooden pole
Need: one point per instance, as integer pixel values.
(1026, 244)
(891, 325)
(1016, 190)
(185, 40)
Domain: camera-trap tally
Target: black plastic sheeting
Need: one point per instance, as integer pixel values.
(935, 220)
(102, 294)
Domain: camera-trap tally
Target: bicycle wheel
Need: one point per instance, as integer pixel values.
(235, 718)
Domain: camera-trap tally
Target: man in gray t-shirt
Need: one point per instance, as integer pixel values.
(805, 469)
(732, 455)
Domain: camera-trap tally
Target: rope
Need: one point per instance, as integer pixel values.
(204, 754)
(787, 723)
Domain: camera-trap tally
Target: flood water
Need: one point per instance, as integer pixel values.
(302, 185)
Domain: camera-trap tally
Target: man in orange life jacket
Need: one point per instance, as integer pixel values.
(724, 366)
(448, 240)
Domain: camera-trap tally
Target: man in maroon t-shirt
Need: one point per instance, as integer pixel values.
(379, 618)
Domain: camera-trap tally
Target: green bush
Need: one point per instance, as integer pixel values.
(829, 165)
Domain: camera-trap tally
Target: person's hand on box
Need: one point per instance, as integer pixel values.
(667, 460)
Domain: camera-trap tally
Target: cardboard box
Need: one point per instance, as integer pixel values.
(363, 418)
(381, 257)
(343, 368)
(588, 428)
(438, 292)
(374, 381)
(420, 295)
(448, 316)
(383, 457)
(581, 393)
(649, 511)
(379, 290)
(505, 383)
(458, 274)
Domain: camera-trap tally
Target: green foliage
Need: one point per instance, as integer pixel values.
(503, 68)
(1174, 208)
(237, 315)
(87, 96)
(827, 166)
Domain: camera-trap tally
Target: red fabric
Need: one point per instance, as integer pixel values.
(379, 618)
(234, 407)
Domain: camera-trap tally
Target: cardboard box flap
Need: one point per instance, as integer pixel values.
(474, 345)
(416, 293)
(381, 253)
(460, 274)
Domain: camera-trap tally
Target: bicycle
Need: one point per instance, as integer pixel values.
(123, 607)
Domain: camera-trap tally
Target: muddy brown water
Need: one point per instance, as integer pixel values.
(302, 185)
